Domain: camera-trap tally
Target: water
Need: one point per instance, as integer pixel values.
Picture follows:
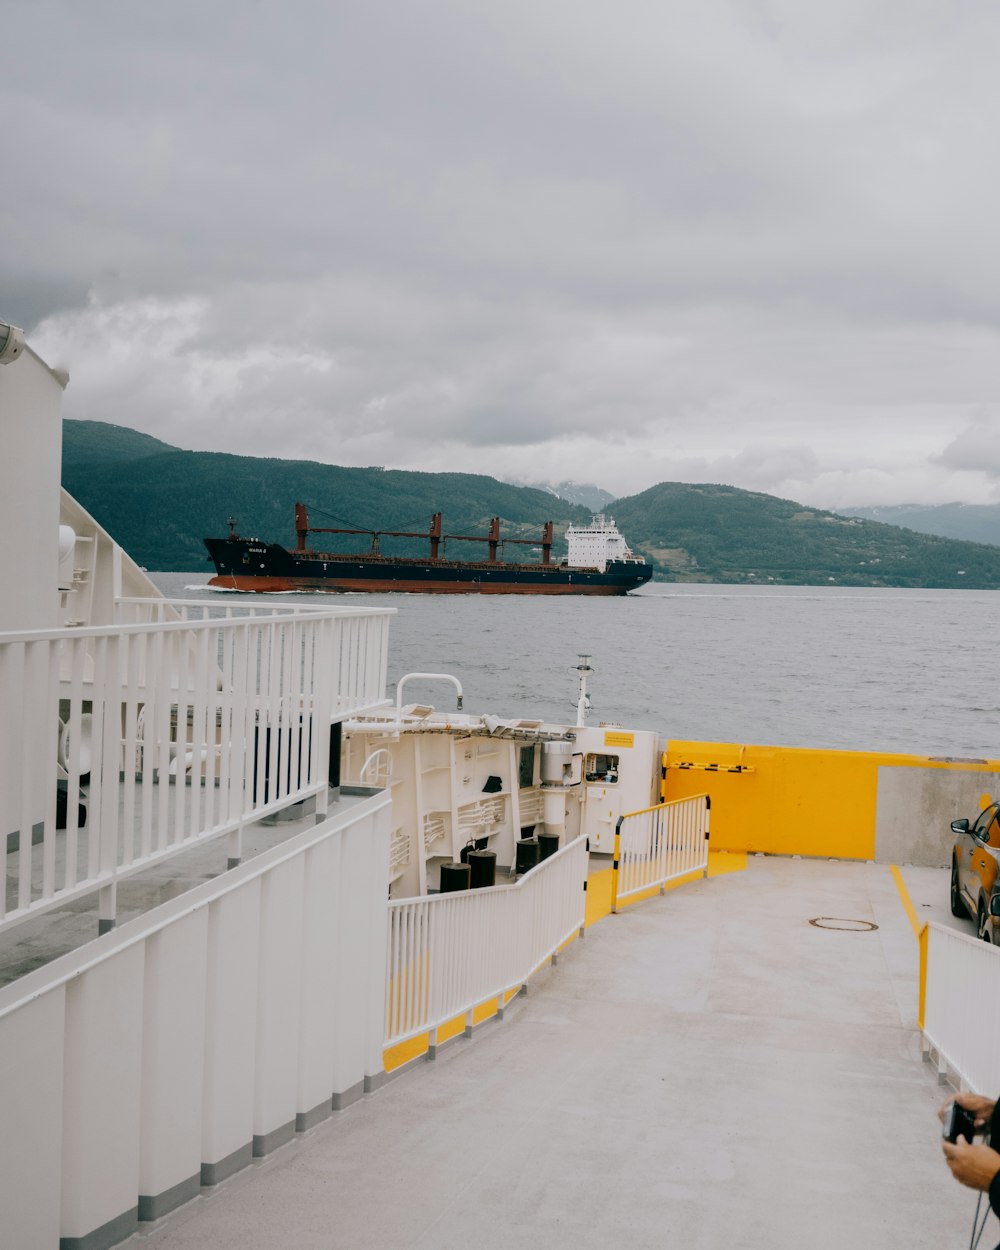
(891, 670)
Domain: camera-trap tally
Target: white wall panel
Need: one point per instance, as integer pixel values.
(320, 964)
(101, 1101)
(230, 1023)
(377, 836)
(173, 1054)
(31, 1094)
(278, 1008)
(352, 969)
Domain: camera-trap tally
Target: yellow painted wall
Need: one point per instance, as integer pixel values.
(792, 801)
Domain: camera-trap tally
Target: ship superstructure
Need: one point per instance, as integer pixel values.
(598, 544)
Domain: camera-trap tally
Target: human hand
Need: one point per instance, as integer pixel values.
(981, 1108)
(974, 1166)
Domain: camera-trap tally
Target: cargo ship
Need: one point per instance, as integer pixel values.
(598, 562)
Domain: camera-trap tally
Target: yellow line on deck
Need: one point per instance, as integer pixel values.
(905, 899)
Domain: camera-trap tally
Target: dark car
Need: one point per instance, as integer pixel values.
(974, 862)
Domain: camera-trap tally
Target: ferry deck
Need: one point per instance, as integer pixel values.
(707, 1068)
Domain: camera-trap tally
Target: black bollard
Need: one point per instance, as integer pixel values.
(528, 852)
(548, 844)
(454, 877)
(483, 868)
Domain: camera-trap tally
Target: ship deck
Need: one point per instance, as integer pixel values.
(706, 1069)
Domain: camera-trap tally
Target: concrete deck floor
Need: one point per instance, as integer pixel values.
(704, 1070)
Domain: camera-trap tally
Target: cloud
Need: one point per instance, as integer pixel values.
(750, 242)
(976, 448)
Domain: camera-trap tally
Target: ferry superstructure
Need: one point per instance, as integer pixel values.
(217, 946)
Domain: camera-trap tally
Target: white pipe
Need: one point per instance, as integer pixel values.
(426, 677)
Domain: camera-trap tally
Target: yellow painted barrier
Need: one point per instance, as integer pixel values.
(789, 800)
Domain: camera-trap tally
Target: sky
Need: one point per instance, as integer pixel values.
(752, 242)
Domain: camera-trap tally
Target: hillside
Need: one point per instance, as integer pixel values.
(97, 442)
(713, 533)
(160, 506)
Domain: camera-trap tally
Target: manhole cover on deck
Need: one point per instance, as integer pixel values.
(847, 926)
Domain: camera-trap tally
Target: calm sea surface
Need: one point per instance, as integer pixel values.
(893, 670)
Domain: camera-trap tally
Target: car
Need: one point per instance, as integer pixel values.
(974, 863)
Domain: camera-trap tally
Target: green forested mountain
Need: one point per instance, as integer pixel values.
(159, 502)
(722, 534)
(160, 506)
(97, 442)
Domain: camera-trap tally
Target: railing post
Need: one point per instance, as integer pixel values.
(107, 908)
(614, 866)
(234, 847)
(708, 820)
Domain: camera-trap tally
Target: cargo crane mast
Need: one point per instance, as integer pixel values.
(303, 529)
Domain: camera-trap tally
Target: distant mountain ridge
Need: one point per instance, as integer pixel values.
(586, 494)
(160, 502)
(971, 522)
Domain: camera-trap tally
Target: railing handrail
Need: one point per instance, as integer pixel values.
(148, 627)
(656, 807)
(264, 602)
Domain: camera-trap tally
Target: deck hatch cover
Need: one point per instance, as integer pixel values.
(845, 926)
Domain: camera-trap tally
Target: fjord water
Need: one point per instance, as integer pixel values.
(891, 670)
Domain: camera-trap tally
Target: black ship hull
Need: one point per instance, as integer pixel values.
(246, 564)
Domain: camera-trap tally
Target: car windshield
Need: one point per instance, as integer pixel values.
(982, 826)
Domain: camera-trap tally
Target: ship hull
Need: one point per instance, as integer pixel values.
(268, 568)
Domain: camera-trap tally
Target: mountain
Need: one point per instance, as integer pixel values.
(97, 442)
(978, 523)
(160, 506)
(714, 533)
(586, 494)
(159, 502)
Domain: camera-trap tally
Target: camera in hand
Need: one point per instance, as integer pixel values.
(958, 1122)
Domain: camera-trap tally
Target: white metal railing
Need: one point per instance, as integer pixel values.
(962, 1006)
(359, 651)
(660, 844)
(450, 952)
(121, 746)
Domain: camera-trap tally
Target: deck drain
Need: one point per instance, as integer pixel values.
(847, 926)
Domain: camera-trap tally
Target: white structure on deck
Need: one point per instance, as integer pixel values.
(593, 546)
(457, 779)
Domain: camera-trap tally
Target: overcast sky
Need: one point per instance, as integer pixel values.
(744, 241)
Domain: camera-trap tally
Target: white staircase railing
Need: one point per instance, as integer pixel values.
(450, 952)
(120, 746)
(660, 844)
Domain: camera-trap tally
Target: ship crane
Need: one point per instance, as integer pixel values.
(303, 529)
